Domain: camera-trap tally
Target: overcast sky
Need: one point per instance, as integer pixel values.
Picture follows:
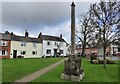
(50, 18)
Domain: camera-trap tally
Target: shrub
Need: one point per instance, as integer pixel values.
(93, 56)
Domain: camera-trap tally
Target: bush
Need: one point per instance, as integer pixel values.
(93, 56)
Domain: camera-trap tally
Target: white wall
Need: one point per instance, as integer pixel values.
(115, 48)
(69, 49)
(52, 47)
(16, 45)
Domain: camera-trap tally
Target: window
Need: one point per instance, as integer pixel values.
(3, 43)
(34, 52)
(3, 52)
(23, 52)
(118, 49)
(23, 43)
(34, 45)
(61, 51)
(48, 43)
(48, 51)
(55, 43)
(61, 44)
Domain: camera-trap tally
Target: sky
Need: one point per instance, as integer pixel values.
(50, 18)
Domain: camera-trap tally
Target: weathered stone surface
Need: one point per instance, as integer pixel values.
(64, 76)
(75, 78)
(83, 74)
(72, 69)
(95, 61)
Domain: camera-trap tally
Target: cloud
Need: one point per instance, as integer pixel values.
(36, 17)
(51, 0)
(38, 13)
(63, 29)
(34, 13)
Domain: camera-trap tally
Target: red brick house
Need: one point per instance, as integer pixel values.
(4, 46)
(90, 50)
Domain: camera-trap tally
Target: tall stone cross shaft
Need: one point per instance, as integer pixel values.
(72, 69)
(73, 28)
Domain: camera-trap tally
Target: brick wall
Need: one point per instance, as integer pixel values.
(7, 48)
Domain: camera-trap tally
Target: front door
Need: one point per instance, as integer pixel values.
(14, 53)
(55, 51)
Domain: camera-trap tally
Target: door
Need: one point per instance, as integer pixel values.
(14, 53)
(55, 51)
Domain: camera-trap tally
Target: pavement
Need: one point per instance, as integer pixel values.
(36, 74)
(115, 57)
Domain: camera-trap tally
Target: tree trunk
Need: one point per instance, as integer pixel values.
(83, 50)
(104, 56)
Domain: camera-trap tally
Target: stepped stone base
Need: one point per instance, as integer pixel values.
(72, 77)
(72, 69)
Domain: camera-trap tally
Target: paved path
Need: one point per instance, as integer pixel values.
(36, 74)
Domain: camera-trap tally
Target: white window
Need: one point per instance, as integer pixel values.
(55, 43)
(48, 51)
(3, 43)
(61, 51)
(23, 43)
(60, 43)
(34, 52)
(48, 42)
(34, 45)
(3, 52)
(23, 52)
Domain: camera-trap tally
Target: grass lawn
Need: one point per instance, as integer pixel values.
(52, 76)
(13, 69)
(93, 73)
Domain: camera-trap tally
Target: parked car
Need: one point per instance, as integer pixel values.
(117, 54)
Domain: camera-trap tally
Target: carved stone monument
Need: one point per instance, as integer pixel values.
(72, 66)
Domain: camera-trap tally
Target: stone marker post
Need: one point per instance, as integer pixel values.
(72, 66)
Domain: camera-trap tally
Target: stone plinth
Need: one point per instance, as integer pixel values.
(72, 77)
(72, 69)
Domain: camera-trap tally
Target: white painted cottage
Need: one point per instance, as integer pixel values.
(25, 46)
(53, 45)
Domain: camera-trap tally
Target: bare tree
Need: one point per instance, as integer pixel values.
(85, 32)
(105, 16)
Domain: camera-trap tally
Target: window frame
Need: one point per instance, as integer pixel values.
(23, 44)
(35, 45)
(62, 51)
(3, 43)
(23, 52)
(35, 52)
(3, 52)
(48, 51)
(48, 43)
(55, 43)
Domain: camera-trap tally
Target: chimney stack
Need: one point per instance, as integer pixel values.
(40, 35)
(26, 33)
(60, 35)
